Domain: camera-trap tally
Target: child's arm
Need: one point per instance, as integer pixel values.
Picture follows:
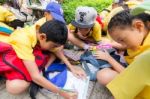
(113, 43)
(117, 45)
(40, 80)
(76, 41)
(105, 56)
(51, 60)
(77, 71)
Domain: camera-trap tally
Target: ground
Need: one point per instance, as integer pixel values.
(96, 91)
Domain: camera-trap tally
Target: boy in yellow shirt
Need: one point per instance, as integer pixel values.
(84, 29)
(22, 54)
(134, 33)
(54, 11)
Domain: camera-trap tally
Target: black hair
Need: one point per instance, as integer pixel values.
(124, 19)
(56, 31)
(145, 18)
(16, 23)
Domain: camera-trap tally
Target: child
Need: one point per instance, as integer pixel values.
(52, 11)
(84, 29)
(55, 11)
(8, 19)
(132, 32)
(118, 5)
(21, 55)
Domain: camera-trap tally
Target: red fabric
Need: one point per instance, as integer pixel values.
(12, 67)
(99, 20)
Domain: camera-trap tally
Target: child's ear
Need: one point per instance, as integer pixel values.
(42, 36)
(45, 14)
(139, 25)
(48, 16)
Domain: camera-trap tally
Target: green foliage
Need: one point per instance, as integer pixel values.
(69, 6)
(2, 1)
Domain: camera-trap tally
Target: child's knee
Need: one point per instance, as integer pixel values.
(104, 76)
(16, 86)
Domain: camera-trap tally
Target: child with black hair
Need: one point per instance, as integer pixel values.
(54, 11)
(132, 32)
(22, 53)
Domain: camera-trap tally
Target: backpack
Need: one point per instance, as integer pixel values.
(91, 65)
(5, 31)
(57, 74)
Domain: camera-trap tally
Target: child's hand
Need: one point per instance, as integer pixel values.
(78, 72)
(104, 55)
(68, 94)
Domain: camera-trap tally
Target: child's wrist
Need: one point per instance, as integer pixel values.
(109, 59)
(59, 91)
(86, 47)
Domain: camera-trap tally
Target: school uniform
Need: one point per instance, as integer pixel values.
(95, 33)
(20, 45)
(134, 82)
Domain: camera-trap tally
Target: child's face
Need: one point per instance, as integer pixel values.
(129, 37)
(46, 45)
(49, 45)
(83, 31)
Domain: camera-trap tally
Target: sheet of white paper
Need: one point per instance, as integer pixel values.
(78, 85)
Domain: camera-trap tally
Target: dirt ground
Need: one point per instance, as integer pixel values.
(95, 91)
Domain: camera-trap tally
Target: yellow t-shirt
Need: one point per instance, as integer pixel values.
(41, 21)
(23, 41)
(132, 54)
(6, 15)
(95, 33)
(105, 13)
(132, 3)
(134, 82)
